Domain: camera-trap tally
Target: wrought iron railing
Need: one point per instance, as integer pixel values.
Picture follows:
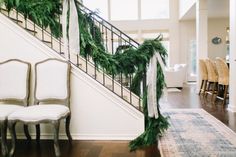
(112, 39)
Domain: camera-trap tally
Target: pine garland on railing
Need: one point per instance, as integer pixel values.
(126, 60)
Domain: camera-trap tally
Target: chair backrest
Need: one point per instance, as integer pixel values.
(223, 71)
(211, 71)
(203, 69)
(14, 81)
(52, 82)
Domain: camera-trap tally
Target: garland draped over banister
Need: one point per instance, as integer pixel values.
(71, 36)
(85, 38)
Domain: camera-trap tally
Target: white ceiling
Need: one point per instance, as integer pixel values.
(216, 9)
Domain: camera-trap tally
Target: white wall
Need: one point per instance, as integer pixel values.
(216, 27)
(96, 112)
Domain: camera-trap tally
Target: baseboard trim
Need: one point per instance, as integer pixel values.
(99, 137)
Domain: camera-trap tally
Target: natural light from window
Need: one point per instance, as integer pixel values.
(101, 7)
(124, 9)
(154, 9)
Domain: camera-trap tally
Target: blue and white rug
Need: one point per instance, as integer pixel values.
(196, 133)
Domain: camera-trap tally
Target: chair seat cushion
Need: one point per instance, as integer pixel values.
(7, 109)
(38, 113)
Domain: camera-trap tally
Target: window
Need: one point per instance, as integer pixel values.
(154, 9)
(192, 58)
(124, 9)
(101, 7)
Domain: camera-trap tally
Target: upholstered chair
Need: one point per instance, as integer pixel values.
(52, 101)
(212, 78)
(14, 93)
(204, 76)
(223, 79)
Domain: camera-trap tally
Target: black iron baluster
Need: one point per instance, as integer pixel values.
(60, 31)
(130, 92)
(34, 29)
(26, 23)
(86, 59)
(51, 39)
(103, 77)
(121, 85)
(42, 34)
(112, 41)
(17, 16)
(106, 41)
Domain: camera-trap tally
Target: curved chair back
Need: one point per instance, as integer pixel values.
(203, 69)
(223, 71)
(211, 71)
(52, 77)
(14, 81)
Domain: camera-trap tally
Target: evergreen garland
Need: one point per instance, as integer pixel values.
(126, 60)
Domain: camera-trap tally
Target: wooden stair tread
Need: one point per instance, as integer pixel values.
(49, 42)
(15, 20)
(30, 30)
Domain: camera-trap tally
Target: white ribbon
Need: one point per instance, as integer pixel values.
(72, 39)
(151, 82)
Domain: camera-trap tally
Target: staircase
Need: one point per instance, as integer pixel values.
(113, 38)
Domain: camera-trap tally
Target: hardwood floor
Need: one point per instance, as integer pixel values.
(185, 99)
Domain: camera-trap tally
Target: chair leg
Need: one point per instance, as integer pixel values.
(26, 131)
(205, 87)
(37, 133)
(201, 87)
(213, 91)
(208, 89)
(225, 94)
(68, 129)
(3, 125)
(217, 92)
(56, 125)
(11, 125)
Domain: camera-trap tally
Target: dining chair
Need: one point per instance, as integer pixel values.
(14, 93)
(51, 101)
(212, 78)
(223, 79)
(204, 76)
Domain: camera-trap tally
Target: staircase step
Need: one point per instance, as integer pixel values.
(2, 9)
(48, 42)
(125, 97)
(15, 20)
(109, 86)
(94, 76)
(79, 65)
(31, 31)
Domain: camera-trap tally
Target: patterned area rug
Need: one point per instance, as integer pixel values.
(196, 133)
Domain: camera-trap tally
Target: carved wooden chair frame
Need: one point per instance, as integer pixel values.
(23, 102)
(56, 123)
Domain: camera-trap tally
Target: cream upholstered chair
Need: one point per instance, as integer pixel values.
(52, 100)
(204, 76)
(212, 78)
(14, 93)
(223, 79)
(176, 76)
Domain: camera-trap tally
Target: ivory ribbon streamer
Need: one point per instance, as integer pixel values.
(72, 39)
(151, 82)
